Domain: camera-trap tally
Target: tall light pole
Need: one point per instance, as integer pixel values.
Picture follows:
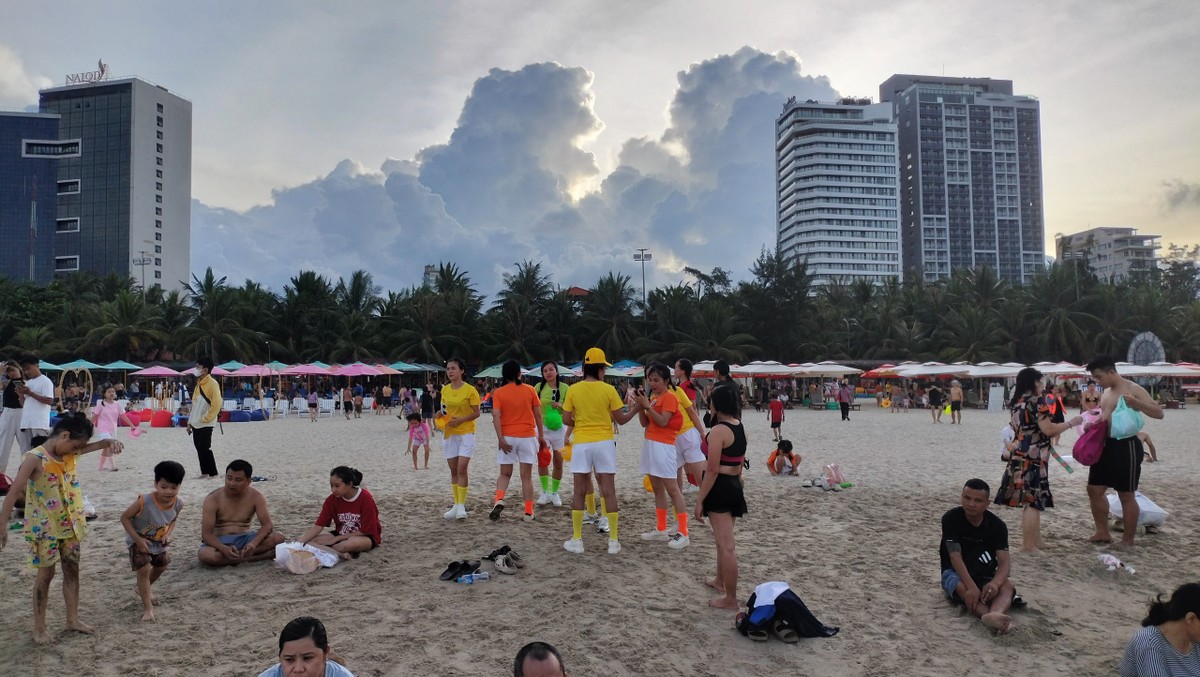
(643, 255)
(142, 261)
(268, 345)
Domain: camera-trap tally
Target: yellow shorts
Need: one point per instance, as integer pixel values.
(47, 552)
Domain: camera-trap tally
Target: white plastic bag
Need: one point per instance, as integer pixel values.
(1151, 515)
(283, 554)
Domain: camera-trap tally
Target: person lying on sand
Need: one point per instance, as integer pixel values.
(226, 538)
(974, 558)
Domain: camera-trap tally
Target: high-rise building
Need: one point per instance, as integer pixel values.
(836, 190)
(970, 175)
(30, 151)
(1110, 253)
(130, 208)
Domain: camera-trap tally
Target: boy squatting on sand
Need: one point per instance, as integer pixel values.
(148, 523)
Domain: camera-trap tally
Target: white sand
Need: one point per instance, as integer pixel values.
(864, 559)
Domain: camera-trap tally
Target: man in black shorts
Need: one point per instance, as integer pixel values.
(1119, 466)
(974, 558)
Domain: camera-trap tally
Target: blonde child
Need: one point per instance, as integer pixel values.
(54, 515)
(418, 435)
(148, 523)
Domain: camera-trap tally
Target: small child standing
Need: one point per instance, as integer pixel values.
(54, 515)
(775, 416)
(148, 523)
(418, 435)
(107, 415)
(1008, 442)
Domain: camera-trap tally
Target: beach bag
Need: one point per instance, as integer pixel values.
(1090, 445)
(1125, 422)
(833, 472)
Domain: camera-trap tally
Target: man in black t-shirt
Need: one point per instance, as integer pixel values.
(974, 558)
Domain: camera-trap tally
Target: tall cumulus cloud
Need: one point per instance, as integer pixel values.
(506, 187)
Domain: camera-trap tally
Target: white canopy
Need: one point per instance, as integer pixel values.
(993, 370)
(756, 369)
(1060, 369)
(824, 369)
(934, 369)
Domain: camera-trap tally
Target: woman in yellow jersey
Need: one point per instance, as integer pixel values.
(461, 402)
(662, 418)
(592, 406)
(552, 393)
(691, 457)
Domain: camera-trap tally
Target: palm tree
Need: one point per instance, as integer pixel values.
(128, 327)
(608, 314)
(716, 336)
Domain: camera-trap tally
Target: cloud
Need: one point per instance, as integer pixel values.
(1179, 195)
(510, 185)
(18, 87)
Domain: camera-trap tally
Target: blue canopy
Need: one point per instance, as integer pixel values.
(121, 365)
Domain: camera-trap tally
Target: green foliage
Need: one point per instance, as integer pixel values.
(1064, 313)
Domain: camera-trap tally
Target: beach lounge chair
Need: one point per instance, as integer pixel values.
(230, 405)
(250, 403)
(325, 408)
(282, 408)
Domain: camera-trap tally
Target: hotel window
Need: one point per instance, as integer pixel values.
(158, 147)
(158, 211)
(64, 264)
(69, 187)
(158, 262)
(158, 199)
(51, 149)
(66, 225)
(160, 121)
(158, 161)
(158, 223)
(160, 107)
(160, 136)
(158, 173)
(158, 274)
(158, 237)
(158, 185)
(158, 249)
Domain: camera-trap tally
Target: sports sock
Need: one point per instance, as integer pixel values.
(681, 518)
(603, 505)
(462, 492)
(660, 519)
(455, 488)
(499, 495)
(545, 479)
(577, 524)
(554, 484)
(589, 502)
(612, 525)
(528, 507)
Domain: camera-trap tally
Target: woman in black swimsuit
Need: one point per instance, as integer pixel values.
(721, 498)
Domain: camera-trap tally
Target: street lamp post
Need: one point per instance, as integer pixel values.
(268, 345)
(142, 261)
(643, 255)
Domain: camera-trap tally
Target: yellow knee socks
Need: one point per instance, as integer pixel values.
(589, 502)
(612, 525)
(577, 524)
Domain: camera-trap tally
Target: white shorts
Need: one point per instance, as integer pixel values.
(557, 439)
(687, 447)
(658, 459)
(525, 450)
(459, 445)
(599, 456)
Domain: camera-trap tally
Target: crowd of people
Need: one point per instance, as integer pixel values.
(555, 425)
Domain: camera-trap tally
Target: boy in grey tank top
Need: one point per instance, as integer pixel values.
(148, 524)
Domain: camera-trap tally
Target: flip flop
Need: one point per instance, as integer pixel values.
(451, 571)
(497, 552)
(516, 559)
(1018, 602)
(468, 567)
(783, 633)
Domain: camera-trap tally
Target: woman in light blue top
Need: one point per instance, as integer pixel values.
(1168, 645)
(304, 652)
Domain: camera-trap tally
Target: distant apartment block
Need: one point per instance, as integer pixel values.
(970, 175)
(836, 190)
(1110, 253)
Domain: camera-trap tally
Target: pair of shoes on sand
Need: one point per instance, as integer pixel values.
(506, 560)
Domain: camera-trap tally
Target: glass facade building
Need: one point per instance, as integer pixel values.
(970, 175)
(30, 153)
(836, 190)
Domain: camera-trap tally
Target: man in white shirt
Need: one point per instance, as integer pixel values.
(37, 395)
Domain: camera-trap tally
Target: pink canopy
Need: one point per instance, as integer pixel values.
(357, 369)
(216, 371)
(305, 370)
(155, 371)
(386, 370)
(253, 370)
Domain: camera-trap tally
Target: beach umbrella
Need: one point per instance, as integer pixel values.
(320, 364)
(276, 365)
(306, 370)
(386, 370)
(1060, 369)
(929, 369)
(79, 364)
(993, 370)
(825, 369)
(47, 366)
(757, 369)
(231, 366)
(157, 370)
(356, 369)
(252, 370)
(120, 365)
(216, 371)
(405, 367)
(493, 371)
(703, 369)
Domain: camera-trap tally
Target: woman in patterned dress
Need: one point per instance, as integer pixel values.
(1026, 481)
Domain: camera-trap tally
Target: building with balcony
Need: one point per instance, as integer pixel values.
(1112, 254)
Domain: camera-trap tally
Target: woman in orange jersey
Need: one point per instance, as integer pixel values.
(661, 417)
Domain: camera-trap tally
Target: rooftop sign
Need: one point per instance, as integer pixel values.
(89, 77)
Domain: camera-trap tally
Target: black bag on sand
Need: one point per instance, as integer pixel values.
(791, 610)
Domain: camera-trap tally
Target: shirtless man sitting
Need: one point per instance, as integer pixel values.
(226, 538)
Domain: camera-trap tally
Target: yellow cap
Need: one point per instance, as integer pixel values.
(595, 356)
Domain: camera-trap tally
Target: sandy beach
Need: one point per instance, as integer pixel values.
(864, 559)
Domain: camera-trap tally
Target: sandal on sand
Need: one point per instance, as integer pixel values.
(451, 571)
(516, 559)
(504, 549)
(471, 567)
(504, 565)
(783, 633)
(1018, 602)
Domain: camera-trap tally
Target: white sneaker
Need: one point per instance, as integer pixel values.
(602, 524)
(555, 500)
(679, 542)
(528, 517)
(461, 514)
(589, 518)
(451, 513)
(614, 547)
(656, 536)
(574, 545)
(543, 498)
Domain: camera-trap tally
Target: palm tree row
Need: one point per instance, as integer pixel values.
(1065, 313)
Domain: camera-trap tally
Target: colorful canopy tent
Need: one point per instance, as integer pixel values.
(320, 364)
(230, 366)
(356, 369)
(79, 364)
(195, 371)
(254, 370)
(276, 365)
(47, 366)
(120, 365)
(406, 367)
(157, 370)
(306, 370)
(386, 370)
(703, 369)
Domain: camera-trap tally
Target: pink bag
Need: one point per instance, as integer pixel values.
(1090, 445)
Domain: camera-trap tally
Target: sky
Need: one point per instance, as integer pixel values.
(386, 135)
